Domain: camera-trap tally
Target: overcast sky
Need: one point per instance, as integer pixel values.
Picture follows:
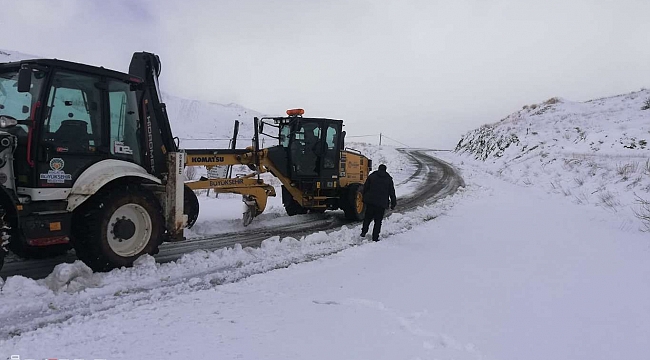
(422, 72)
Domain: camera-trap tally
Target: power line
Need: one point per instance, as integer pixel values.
(355, 136)
(350, 136)
(399, 142)
(204, 139)
(211, 138)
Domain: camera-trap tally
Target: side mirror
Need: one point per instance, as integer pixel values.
(342, 141)
(262, 127)
(157, 66)
(24, 80)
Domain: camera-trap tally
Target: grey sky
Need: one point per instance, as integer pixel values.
(422, 72)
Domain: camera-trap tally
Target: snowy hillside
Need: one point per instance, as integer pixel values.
(10, 55)
(194, 122)
(594, 152)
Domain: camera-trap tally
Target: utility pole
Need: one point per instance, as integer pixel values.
(379, 138)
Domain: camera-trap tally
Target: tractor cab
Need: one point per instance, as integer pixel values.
(66, 117)
(309, 149)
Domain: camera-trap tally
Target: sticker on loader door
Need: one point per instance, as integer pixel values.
(120, 148)
(56, 175)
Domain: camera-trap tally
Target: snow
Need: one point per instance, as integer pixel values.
(535, 276)
(594, 153)
(201, 124)
(228, 208)
(10, 56)
(540, 256)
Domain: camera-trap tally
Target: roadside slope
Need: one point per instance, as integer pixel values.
(594, 152)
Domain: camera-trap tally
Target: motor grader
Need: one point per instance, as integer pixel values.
(88, 160)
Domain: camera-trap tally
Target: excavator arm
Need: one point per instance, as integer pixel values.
(155, 129)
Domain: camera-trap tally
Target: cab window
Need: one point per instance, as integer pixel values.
(331, 137)
(285, 131)
(73, 122)
(15, 104)
(124, 132)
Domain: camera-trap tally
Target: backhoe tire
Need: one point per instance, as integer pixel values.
(352, 203)
(37, 252)
(291, 206)
(115, 227)
(190, 206)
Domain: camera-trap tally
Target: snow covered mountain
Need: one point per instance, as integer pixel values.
(602, 126)
(593, 152)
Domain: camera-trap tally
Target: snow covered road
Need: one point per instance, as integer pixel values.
(71, 290)
(431, 179)
(502, 272)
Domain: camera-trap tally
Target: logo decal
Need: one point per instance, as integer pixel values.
(57, 164)
(226, 182)
(56, 175)
(152, 159)
(207, 159)
(120, 148)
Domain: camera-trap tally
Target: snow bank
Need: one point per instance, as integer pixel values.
(72, 292)
(220, 266)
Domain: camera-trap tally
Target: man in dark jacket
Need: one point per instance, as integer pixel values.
(377, 191)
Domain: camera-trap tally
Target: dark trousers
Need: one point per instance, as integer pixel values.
(376, 214)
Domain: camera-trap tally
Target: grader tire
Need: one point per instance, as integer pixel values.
(190, 206)
(352, 203)
(291, 206)
(116, 227)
